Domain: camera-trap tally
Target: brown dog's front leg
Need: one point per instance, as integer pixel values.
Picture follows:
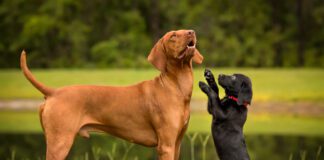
(166, 152)
(178, 143)
(166, 144)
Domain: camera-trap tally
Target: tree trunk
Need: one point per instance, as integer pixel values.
(278, 27)
(301, 33)
(155, 19)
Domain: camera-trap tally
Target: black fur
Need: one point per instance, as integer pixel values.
(229, 116)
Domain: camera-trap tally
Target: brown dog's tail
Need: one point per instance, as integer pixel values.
(23, 65)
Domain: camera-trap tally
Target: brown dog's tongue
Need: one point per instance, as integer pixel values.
(182, 55)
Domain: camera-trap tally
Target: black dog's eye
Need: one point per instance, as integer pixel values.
(243, 84)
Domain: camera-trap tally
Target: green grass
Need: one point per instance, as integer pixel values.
(268, 84)
(19, 122)
(28, 121)
(266, 124)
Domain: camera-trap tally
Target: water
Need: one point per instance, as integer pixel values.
(260, 147)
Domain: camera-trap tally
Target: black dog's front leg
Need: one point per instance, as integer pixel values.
(211, 80)
(214, 107)
(210, 94)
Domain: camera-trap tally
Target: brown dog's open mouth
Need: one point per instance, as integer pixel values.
(190, 46)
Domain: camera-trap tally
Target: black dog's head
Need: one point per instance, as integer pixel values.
(237, 85)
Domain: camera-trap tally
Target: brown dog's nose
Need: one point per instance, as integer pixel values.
(191, 32)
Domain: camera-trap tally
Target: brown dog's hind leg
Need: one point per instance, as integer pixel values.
(58, 145)
(40, 112)
(60, 130)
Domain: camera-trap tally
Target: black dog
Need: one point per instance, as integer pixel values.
(229, 114)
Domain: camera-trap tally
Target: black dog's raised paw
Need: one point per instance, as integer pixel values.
(207, 90)
(204, 87)
(209, 75)
(211, 80)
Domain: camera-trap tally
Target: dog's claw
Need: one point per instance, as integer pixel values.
(208, 74)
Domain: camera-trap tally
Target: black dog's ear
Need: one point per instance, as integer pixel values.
(245, 94)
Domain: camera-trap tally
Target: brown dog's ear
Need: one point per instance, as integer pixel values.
(197, 58)
(157, 56)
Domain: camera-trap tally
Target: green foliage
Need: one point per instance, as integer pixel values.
(72, 33)
(124, 49)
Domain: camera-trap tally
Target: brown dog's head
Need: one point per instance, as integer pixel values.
(175, 46)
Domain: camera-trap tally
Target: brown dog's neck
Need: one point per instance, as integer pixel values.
(181, 76)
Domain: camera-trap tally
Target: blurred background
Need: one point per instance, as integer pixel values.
(278, 44)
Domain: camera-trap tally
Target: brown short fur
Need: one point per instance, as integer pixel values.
(152, 113)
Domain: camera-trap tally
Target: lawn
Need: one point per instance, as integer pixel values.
(266, 124)
(268, 84)
(28, 122)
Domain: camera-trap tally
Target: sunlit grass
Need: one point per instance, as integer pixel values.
(278, 84)
(265, 124)
(19, 122)
(268, 84)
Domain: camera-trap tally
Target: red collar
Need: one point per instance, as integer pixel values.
(236, 99)
(233, 98)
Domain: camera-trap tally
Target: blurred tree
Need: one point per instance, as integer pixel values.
(80, 33)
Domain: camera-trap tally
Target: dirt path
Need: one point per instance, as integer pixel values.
(20, 104)
(291, 108)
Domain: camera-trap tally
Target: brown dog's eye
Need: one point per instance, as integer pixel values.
(172, 37)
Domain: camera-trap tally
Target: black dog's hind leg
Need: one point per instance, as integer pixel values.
(214, 107)
(211, 80)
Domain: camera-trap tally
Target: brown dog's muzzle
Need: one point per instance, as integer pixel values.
(190, 45)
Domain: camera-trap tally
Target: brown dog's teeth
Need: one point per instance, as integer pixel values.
(191, 44)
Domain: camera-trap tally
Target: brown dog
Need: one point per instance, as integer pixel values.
(153, 113)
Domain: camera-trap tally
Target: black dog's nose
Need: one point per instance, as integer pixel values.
(220, 76)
